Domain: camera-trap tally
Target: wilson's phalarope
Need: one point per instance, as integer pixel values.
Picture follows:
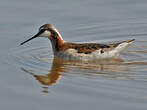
(75, 51)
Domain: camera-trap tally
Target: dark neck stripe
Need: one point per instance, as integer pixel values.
(55, 39)
(56, 44)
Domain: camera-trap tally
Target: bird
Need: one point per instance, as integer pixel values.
(78, 51)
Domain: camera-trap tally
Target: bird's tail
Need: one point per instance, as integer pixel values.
(122, 45)
(129, 41)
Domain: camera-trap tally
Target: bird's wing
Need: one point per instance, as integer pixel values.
(88, 48)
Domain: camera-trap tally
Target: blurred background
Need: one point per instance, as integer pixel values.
(30, 78)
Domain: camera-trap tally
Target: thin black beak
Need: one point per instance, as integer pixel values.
(37, 35)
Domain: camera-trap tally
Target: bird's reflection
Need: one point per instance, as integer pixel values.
(51, 77)
(60, 66)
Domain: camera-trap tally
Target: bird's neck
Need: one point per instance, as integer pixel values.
(57, 42)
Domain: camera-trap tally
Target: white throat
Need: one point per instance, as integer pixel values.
(45, 34)
(48, 33)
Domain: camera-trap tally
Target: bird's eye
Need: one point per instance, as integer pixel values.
(40, 29)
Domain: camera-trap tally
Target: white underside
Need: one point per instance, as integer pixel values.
(71, 54)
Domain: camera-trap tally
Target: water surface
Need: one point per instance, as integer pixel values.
(31, 78)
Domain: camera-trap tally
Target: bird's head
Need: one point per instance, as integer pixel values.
(47, 31)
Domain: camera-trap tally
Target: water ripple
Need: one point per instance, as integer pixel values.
(131, 65)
